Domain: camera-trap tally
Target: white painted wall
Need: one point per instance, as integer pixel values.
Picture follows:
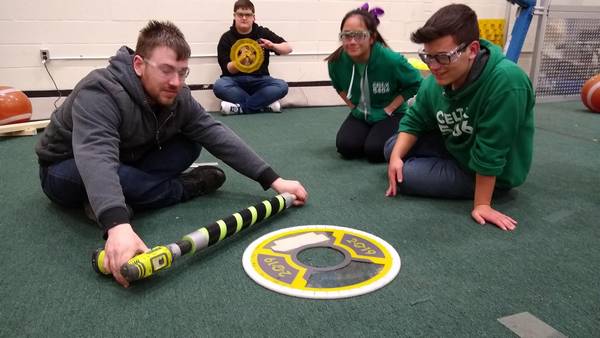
(86, 28)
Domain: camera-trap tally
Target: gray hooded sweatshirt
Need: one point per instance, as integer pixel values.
(107, 120)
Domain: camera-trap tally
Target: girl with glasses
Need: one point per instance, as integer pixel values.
(373, 80)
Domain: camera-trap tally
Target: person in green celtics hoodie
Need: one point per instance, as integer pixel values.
(374, 81)
(469, 133)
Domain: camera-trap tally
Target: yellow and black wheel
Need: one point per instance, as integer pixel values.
(247, 55)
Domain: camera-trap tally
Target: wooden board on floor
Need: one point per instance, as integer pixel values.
(23, 129)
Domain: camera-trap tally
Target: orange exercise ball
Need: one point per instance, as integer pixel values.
(14, 106)
(590, 94)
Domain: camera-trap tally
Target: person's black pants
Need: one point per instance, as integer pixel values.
(357, 138)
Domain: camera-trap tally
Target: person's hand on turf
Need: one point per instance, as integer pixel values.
(122, 244)
(485, 213)
(293, 187)
(394, 175)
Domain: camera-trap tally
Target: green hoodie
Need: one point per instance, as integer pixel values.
(487, 125)
(388, 75)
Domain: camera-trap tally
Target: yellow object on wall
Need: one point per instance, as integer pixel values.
(492, 30)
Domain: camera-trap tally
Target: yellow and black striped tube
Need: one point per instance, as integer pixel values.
(223, 228)
(161, 257)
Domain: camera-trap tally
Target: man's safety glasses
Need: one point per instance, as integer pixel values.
(443, 58)
(168, 71)
(243, 15)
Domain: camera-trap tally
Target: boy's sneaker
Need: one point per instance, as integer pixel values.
(201, 181)
(228, 108)
(274, 107)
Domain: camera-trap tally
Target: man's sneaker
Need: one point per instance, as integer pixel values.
(274, 107)
(228, 108)
(201, 181)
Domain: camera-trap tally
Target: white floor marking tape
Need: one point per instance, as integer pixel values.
(526, 325)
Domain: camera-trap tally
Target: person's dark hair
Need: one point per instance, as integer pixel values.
(162, 34)
(371, 23)
(243, 4)
(457, 20)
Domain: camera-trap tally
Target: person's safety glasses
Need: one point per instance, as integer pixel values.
(242, 15)
(443, 58)
(169, 71)
(358, 36)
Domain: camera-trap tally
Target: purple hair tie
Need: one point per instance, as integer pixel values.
(376, 12)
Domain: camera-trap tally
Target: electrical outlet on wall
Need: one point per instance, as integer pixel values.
(44, 55)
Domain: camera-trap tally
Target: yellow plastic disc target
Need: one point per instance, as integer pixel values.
(278, 261)
(247, 55)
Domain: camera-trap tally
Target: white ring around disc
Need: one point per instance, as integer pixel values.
(379, 283)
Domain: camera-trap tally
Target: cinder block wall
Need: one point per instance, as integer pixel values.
(96, 29)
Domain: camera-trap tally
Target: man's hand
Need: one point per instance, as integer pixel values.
(394, 175)
(282, 48)
(232, 68)
(122, 244)
(293, 187)
(267, 44)
(404, 143)
(482, 210)
(485, 213)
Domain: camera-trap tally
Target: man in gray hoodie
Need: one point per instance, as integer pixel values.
(127, 132)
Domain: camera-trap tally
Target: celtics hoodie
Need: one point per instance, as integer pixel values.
(487, 124)
(372, 87)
